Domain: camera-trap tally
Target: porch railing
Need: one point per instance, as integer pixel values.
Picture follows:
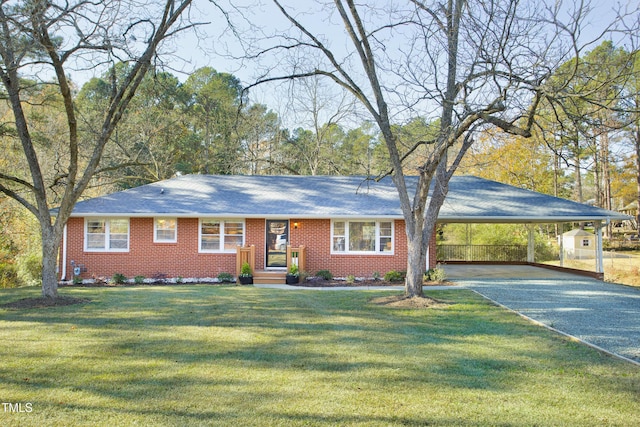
(498, 253)
(297, 256)
(245, 254)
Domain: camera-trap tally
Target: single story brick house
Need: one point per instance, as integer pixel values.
(193, 226)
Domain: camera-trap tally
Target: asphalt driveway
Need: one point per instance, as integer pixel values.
(603, 314)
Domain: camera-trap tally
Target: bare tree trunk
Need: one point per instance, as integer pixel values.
(606, 180)
(638, 176)
(415, 266)
(50, 247)
(577, 170)
(43, 25)
(444, 66)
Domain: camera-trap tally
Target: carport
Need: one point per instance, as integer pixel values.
(474, 201)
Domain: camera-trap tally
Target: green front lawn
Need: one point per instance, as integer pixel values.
(211, 355)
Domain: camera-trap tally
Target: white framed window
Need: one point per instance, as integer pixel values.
(106, 235)
(586, 242)
(363, 236)
(220, 235)
(165, 230)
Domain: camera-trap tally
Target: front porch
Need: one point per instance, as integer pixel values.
(294, 256)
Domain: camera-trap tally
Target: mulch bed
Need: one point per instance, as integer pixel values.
(395, 301)
(403, 301)
(313, 282)
(317, 282)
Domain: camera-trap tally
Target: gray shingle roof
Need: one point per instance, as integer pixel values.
(259, 196)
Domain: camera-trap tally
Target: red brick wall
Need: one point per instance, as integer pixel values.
(315, 234)
(182, 259)
(145, 257)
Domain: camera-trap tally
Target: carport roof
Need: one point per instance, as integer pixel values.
(470, 199)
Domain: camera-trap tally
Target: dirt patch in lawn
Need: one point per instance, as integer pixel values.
(43, 302)
(403, 301)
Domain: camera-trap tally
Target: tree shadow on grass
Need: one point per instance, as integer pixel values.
(238, 353)
(43, 302)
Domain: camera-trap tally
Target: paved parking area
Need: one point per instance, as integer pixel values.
(603, 314)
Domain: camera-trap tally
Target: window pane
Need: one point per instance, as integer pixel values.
(119, 226)
(233, 232)
(385, 244)
(362, 236)
(210, 227)
(233, 228)
(166, 224)
(385, 237)
(230, 242)
(118, 241)
(118, 234)
(385, 229)
(210, 243)
(95, 241)
(338, 236)
(95, 227)
(165, 235)
(166, 229)
(96, 234)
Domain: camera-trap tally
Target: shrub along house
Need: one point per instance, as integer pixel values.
(197, 226)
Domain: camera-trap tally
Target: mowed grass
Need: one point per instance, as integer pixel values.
(211, 355)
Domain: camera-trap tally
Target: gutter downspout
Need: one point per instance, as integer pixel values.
(63, 274)
(561, 239)
(428, 258)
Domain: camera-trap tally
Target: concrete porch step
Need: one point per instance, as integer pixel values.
(266, 277)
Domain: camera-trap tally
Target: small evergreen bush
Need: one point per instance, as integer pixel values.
(225, 278)
(393, 276)
(325, 274)
(435, 275)
(245, 270)
(293, 270)
(119, 279)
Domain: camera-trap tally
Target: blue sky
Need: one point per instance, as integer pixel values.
(212, 43)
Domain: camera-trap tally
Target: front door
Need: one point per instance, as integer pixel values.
(277, 241)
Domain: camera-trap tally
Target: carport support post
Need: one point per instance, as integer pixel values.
(531, 245)
(599, 252)
(561, 243)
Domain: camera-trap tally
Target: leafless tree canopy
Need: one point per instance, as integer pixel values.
(41, 41)
(464, 64)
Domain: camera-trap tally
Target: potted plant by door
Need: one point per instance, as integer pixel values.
(293, 276)
(246, 275)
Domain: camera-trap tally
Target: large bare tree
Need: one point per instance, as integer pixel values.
(463, 64)
(41, 42)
